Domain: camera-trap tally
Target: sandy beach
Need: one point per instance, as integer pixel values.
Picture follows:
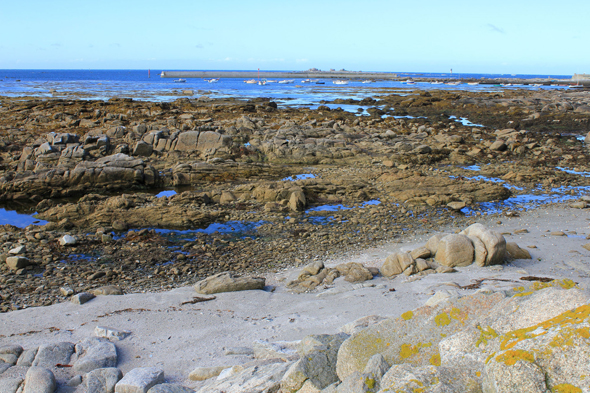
(180, 337)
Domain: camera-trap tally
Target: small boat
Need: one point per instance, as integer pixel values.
(473, 83)
(436, 83)
(537, 85)
(251, 81)
(271, 81)
(306, 81)
(262, 82)
(340, 82)
(367, 81)
(576, 86)
(179, 80)
(506, 84)
(320, 83)
(212, 80)
(454, 83)
(314, 80)
(287, 81)
(409, 82)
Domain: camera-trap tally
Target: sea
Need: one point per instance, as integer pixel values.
(147, 85)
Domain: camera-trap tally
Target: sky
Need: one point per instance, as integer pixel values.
(513, 37)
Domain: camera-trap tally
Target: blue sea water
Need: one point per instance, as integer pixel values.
(137, 84)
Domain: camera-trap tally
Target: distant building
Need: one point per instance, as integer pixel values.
(314, 70)
(332, 70)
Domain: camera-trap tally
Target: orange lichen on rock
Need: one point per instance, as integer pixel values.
(566, 388)
(510, 357)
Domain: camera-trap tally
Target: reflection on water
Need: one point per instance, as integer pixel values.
(334, 208)
(302, 176)
(20, 220)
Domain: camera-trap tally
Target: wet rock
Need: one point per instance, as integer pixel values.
(228, 282)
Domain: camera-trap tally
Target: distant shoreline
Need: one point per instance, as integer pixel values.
(344, 75)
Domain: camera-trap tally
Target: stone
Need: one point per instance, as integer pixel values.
(66, 291)
(227, 197)
(285, 350)
(260, 378)
(102, 380)
(494, 242)
(513, 251)
(142, 149)
(82, 298)
(480, 253)
(27, 357)
(432, 243)
(39, 380)
(111, 333)
(94, 353)
(228, 282)
(204, 373)
(49, 355)
(414, 336)
(361, 323)
(498, 145)
(18, 250)
(170, 388)
(187, 141)
(558, 233)
(442, 296)
(11, 349)
(354, 272)
(313, 268)
(407, 378)
(316, 365)
(119, 226)
(455, 250)
(67, 240)
(107, 290)
(579, 205)
(396, 263)
(586, 246)
(456, 205)
(140, 380)
(15, 263)
(10, 385)
(8, 358)
(297, 201)
(421, 252)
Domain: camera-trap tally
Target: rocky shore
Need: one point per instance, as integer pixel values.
(253, 188)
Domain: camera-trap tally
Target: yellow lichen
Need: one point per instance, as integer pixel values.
(512, 356)
(370, 383)
(566, 388)
(435, 359)
(485, 335)
(478, 374)
(408, 350)
(442, 319)
(459, 315)
(407, 315)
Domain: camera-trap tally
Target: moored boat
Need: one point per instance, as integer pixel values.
(179, 80)
(340, 82)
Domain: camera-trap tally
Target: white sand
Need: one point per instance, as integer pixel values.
(179, 338)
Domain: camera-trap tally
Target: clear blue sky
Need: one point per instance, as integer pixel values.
(526, 37)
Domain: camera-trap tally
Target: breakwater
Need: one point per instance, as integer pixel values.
(352, 75)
